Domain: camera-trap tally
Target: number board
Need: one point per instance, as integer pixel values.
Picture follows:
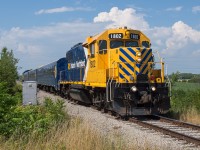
(115, 35)
(134, 36)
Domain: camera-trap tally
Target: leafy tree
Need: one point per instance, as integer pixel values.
(7, 102)
(195, 79)
(8, 68)
(186, 75)
(174, 77)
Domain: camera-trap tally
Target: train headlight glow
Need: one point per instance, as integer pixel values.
(153, 88)
(139, 59)
(133, 88)
(139, 54)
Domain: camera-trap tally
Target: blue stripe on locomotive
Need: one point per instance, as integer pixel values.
(76, 63)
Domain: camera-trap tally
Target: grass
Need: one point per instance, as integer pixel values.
(185, 102)
(73, 135)
(186, 86)
(76, 135)
(191, 115)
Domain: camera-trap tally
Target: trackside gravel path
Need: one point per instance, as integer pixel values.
(135, 136)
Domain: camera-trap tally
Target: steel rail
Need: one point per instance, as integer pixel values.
(179, 123)
(167, 131)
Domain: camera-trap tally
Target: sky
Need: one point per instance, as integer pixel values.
(40, 32)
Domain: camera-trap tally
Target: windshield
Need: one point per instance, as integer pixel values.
(131, 44)
(117, 43)
(145, 44)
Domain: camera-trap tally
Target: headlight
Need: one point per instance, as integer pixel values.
(139, 59)
(131, 78)
(133, 88)
(139, 54)
(153, 88)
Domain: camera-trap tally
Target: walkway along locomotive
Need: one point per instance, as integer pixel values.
(114, 70)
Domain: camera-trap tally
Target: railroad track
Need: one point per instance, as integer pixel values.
(174, 128)
(178, 129)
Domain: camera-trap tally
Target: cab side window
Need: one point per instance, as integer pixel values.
(92, 50)
(146, 44)
(102, 47)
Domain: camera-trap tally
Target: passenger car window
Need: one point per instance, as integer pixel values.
(102, 47)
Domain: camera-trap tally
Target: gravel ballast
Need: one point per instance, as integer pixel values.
(132, 134)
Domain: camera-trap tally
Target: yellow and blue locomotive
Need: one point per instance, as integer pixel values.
(115, 70)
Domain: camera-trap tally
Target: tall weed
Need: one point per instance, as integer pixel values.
(186, 105)
(191, 115)
(73, 135)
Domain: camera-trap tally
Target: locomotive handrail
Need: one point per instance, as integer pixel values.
(109, 82)
(162, 69)
(103, 50)
(170, 86)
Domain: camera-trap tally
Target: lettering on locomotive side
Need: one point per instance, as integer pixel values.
(134, 36)
(115, 35)
(92, 64)
(77, 64)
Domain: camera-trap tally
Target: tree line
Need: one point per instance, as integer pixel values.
(193, 78)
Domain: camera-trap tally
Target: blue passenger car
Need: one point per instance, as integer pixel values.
(29, 75)
(47, 75)
(25, 75)
(50, 74)
(76, 63)
(32, 75)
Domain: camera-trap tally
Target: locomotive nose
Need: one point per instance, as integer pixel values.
(133, 61)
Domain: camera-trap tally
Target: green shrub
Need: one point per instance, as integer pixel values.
(182, 100)
(7, 102)
(25, 120)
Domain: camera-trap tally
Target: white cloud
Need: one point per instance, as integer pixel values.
(178, 8)
(196, 53)
(170, 41)
(118, 18)
(158, 39)
(62, 9)
(37, 46)
(182, 35)
(196, 9)
(40, 45)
